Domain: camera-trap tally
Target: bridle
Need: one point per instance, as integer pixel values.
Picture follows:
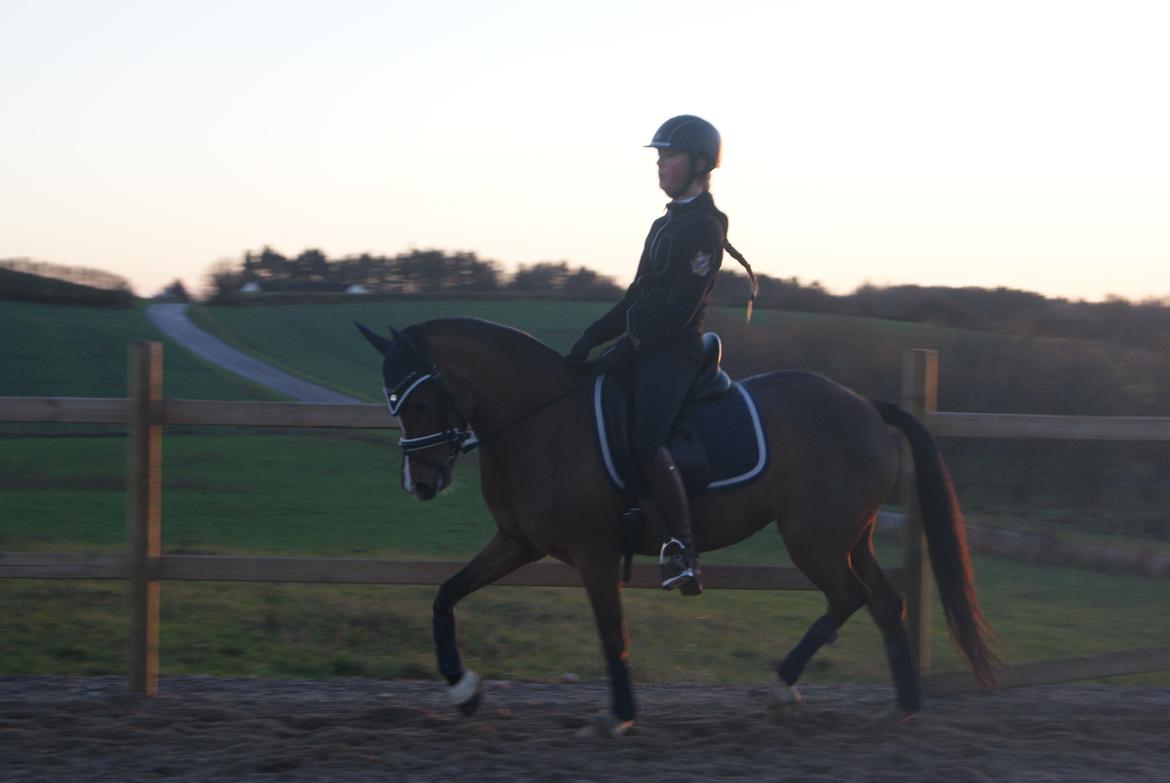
(453, 431)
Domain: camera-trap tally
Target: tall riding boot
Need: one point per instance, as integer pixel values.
(678, 560)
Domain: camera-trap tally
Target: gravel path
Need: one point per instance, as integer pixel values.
(218, 729)
(173, 321)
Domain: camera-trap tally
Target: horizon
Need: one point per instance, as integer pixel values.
(1016, 145)
(505, 277)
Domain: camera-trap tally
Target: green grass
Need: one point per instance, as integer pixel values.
(59, 351)
(233, 494)
(320, 343)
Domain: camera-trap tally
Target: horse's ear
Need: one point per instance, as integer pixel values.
(402, 339)
(376, 340)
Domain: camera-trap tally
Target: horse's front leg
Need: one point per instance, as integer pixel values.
(600, 576)
(502, 555)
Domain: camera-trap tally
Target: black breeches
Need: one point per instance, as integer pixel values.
(661, 382)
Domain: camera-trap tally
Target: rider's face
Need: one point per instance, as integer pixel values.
(674, 168)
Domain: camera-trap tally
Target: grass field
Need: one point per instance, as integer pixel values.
(51, 350)
(336, 494)
(320, 342)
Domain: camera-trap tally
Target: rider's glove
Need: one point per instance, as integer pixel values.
(580, 350)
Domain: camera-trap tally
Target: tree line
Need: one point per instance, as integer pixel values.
(428, 272)
(417, 272)
(22, 279)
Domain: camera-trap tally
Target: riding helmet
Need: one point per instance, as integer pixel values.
(692, 134)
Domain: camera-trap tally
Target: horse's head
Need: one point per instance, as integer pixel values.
(433, 429)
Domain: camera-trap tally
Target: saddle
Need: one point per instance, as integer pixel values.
(717, 442)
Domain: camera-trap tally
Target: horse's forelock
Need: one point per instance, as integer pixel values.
(403, 359)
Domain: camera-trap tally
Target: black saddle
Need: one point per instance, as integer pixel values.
(717, 442)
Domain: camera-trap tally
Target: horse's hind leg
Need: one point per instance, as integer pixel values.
(502, 555)
(888, 609)
(830, 571)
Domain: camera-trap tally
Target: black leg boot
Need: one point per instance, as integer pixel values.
(678, 560)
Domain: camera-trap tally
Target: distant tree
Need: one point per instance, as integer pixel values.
(586, 283)
(224, 280)
(175, 292)
(544, 277)
(310, 265)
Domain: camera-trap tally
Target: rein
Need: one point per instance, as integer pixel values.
(493, 435)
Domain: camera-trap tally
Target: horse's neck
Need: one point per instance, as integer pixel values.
(506, 377)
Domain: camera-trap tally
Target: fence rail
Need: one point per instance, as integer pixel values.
(145, 412)
(336, 570)
(113, 410)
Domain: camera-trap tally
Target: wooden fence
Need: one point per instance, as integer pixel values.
(145, 412)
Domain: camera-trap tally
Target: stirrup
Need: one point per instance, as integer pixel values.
(677, 569)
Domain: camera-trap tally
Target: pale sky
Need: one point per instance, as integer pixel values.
(1021, 144)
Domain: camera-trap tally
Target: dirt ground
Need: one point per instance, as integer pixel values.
(217, 729)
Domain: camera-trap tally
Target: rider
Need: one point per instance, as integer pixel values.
(660, 321)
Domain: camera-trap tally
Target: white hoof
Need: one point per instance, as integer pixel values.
(782, 697)
(467, 693)
(606, 727)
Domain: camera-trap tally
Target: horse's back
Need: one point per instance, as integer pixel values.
(830, 446)
(809, 399)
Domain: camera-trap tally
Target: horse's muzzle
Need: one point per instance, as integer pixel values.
(439, 478)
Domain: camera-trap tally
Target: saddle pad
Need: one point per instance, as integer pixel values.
(729, 428)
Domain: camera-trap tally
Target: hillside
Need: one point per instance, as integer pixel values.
(60, 351)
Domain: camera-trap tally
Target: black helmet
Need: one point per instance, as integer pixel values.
(692, 134)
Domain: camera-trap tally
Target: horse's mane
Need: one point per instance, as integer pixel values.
(515, 341)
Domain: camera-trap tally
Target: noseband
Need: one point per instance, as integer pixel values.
(455, 435)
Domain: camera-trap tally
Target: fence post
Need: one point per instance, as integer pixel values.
(142, 512)
(919, 397)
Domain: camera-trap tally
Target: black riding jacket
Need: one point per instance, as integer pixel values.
(671, 290)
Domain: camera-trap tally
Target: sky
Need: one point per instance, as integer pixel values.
(1019, 144)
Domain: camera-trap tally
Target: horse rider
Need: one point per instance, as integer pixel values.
(660, 323)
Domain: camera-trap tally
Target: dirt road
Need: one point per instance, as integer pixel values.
(173, 321)
(220, 729)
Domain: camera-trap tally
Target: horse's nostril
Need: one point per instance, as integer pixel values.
(424, 491)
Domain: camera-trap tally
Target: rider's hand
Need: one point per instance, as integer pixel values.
(580, 350)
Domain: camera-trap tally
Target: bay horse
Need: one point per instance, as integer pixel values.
(455, 383)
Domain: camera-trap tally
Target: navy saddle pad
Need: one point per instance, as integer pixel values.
(717, 443)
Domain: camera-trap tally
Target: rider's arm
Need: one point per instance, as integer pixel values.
(613, 323)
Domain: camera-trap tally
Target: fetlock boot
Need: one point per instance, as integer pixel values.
(678, 559)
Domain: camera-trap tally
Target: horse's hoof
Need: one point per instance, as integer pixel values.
(783, 698)
(606, 727)
(467, 693)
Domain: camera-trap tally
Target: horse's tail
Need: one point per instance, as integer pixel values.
(946, 540)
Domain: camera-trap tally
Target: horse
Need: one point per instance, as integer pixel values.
(461, 383)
